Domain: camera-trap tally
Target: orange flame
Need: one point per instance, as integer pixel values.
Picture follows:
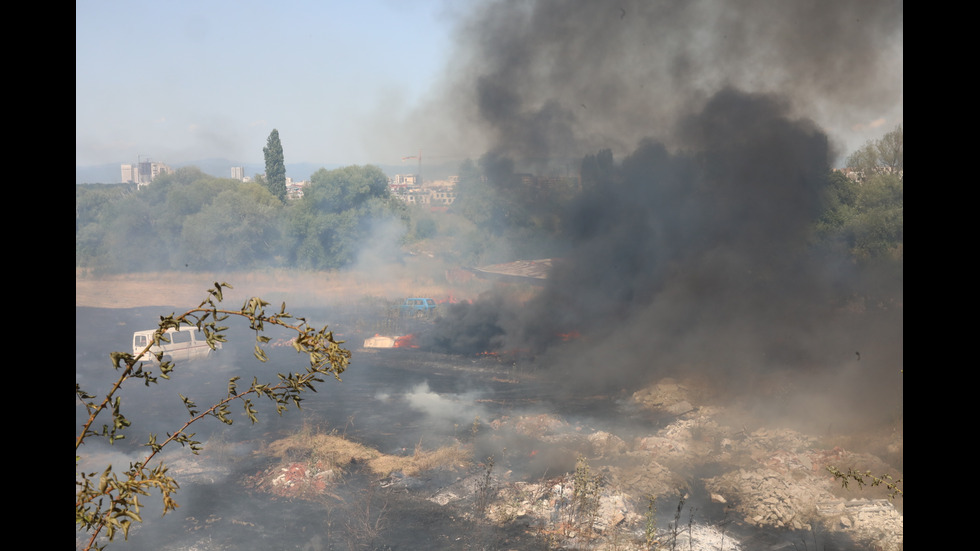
(408, 341)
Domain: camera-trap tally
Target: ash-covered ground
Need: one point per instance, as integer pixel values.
(417, 449)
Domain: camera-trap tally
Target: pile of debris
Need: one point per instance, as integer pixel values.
(875, 521)
(589, 487)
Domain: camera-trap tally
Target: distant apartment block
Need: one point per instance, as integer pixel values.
(295, 189)
(404, 180)
(440, 193)
(238, 173)
(860, 177)
(129, 174)
(143, 173)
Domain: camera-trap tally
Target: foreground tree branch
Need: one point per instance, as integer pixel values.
(109, 502)
(865, 478)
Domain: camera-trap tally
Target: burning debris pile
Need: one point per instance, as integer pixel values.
(382, 341)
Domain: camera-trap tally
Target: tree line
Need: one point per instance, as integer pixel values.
(190, 220)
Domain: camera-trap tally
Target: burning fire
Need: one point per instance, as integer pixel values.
(407, 341)
(381, 341)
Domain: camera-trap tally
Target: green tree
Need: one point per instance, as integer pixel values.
(275, 166)
(346, 188)
(891, 150)
(137, 235)
(94, 205)
(884, 155)
(864, 217)
(108, 502)
(864, 220)
(338, 213)
(236, 230)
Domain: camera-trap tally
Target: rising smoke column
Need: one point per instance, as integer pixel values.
(690, 247)
(549, 81)
(720, 227)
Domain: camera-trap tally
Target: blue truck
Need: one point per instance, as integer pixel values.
(417, 307)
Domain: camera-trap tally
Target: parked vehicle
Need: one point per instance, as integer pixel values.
(418, 307)
(186, 344)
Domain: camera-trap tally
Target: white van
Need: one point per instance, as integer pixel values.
(186, 344)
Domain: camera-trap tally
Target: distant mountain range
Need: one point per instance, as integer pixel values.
(221, 168)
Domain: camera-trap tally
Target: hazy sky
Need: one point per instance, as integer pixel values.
(377, 80)
(180, 81)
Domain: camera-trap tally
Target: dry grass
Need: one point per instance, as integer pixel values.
(334, 451)
(328, 450)
(447, 457)
(292, 286)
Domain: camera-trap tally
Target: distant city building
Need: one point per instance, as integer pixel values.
(294, 190)
(143, 172)
(860, 177)
(129, 174)
(440, 193)
(404, 180)
(238, 173)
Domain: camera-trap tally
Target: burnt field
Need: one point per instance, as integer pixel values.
(418, 449)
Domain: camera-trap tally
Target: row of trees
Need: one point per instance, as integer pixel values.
(190, 220)
(195, 221)
(863, 218)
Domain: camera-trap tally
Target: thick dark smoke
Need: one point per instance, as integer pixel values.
(714, 234)
(722, 225)
(548, 81)
(690, 253)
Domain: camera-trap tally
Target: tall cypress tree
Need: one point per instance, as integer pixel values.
(275, 166)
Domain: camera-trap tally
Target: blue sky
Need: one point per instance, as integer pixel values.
(179, 81)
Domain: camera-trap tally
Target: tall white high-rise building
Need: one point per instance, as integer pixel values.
(143, 172)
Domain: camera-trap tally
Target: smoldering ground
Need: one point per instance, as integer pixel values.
(390, 402)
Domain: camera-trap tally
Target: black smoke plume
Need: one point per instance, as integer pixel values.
(691, 252)
(549, 81)
(719, 227)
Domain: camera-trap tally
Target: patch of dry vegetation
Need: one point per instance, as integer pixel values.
(292, 286)
(331, 451)
(446, 458)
